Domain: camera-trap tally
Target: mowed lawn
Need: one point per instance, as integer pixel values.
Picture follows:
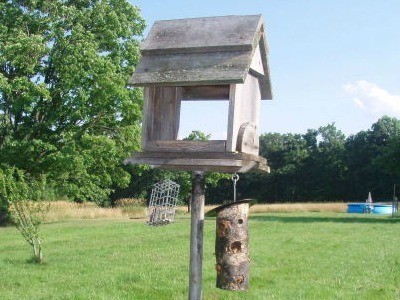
(293, 256)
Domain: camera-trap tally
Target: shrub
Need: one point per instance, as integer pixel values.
(22, 201)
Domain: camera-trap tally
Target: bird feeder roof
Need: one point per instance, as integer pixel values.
(205, 51)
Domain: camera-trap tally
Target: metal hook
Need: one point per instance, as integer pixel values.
(235, 179)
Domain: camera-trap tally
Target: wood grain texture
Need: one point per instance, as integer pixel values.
(186, 146)
(225, 33)
(248, 140)
(196, 236)
(206, 92)
(257, 64)
(244, 106)
(161, 114)
(192, 69)
(201, 161)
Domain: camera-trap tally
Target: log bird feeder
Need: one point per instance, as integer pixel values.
(212, 59)
(232, 245)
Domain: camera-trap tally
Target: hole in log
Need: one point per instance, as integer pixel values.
(239, 279)
(223, 228)
(218, 268)
(240, 221)
(236, 247)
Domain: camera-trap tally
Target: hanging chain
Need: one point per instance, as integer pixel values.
(235, 179)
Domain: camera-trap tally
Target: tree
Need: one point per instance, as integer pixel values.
(65, 107)
(371, 158)
(325, 169)
(286, 154)
(25, 198)
(303, 167)
(27, 216)
(359, 154)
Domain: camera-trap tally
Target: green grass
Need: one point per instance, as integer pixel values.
(294, 256)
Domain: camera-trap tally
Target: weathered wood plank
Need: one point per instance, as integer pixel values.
(201, 155)
(219, 162)
(187, 146)
(206, 92)
(192, 69)
(248, 140)
(265, 81)
(196, 236)
(221, 169)
(232, 111)
(162, 111)
(226, 33)
(257, 62)
(147, 119)
(244, 107)
(250, 167)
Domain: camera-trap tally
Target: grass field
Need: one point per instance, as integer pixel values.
(294, 256)
(64, 210)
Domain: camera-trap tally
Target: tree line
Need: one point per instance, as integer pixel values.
(323, 165)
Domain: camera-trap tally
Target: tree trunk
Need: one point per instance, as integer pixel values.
(38, 251)
(232, 247)
(3, 217)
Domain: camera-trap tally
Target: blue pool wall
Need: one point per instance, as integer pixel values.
(377, 208)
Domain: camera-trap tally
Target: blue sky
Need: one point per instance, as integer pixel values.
(330, 61)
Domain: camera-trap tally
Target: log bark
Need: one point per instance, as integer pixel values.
(232, 247)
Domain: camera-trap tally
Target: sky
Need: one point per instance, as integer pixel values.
(330, 61)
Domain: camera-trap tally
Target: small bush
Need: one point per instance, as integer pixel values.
(27, 217)
(22, 201)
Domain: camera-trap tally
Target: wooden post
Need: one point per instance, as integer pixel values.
(232, 246)
(196, 236)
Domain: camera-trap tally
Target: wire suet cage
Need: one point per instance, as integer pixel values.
(163, 203)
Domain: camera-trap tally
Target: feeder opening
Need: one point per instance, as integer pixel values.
(195, 116)
(236, 247)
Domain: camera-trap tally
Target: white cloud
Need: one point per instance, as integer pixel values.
(373, 99)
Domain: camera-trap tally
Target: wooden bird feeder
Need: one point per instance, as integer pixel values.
(212, 59)
(205, 59)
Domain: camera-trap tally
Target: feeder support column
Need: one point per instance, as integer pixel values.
(196, 236)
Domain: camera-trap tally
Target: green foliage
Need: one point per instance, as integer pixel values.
(23, 200)
(16, 186)
(371, 158)
(65, 108)
(27, 217)
(325, 165)
(9, 191)
(196, 135)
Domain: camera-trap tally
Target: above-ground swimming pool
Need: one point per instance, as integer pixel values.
(376, 208)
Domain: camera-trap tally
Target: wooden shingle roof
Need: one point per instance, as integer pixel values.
(205, 51)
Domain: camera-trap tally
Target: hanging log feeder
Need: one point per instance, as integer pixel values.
(232, 245)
